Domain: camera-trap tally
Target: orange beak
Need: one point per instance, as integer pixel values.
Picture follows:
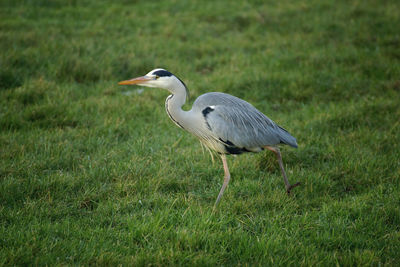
(137, 80)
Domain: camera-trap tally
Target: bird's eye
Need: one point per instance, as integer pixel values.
(156, 77)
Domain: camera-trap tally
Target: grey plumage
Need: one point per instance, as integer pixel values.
(241, 123)
(222, 122)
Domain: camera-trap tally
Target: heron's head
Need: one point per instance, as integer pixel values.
(158, 78)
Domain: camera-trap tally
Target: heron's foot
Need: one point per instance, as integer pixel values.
(289, 189)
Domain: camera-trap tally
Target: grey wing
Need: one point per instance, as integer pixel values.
(236, 122)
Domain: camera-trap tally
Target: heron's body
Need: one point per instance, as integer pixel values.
(222, 122)
(227, 124)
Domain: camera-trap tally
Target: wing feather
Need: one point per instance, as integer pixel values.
(242, 128)
(237, 121)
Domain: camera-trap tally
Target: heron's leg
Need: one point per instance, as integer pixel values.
(227, 177)
(285, 179)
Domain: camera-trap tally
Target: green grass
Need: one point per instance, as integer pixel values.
(91, 173)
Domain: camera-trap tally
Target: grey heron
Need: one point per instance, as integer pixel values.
(222, 122)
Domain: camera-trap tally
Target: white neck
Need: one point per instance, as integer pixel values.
(174, 103)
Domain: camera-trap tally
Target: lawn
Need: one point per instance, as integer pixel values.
(96, 173)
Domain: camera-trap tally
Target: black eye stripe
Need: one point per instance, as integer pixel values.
(162, 73)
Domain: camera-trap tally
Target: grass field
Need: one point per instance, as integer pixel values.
(96, 173)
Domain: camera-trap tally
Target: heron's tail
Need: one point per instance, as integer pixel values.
(286, 137)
